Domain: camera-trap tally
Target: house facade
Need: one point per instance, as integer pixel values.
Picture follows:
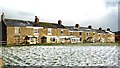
(117, 36)
(20, 32)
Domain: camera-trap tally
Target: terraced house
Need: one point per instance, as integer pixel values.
(18, 32)
(89, 34)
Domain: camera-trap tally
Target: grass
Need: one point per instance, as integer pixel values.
(66, 44)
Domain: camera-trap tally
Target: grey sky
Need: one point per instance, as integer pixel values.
(98, 13)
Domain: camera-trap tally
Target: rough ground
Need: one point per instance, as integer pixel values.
(62, 55)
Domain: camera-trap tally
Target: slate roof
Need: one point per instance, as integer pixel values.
(17, 23)
(117, 33)
(50, 25)
(72, 28)
(22, 23)
(100, 31)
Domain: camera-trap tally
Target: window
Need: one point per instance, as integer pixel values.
(33, 39)
(87, 34)
(93, 33)
(35, 30)
(17, 40)
(49, 31)
(17, 30)
(80, 39)
(61, 31)
(74, 39)
(80, 33)
(71, 33)
(52, 39)
(98, 34)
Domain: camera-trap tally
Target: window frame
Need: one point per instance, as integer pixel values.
(17, 30)
(49, 31)
(61, 31)
(35, 30)
(80, 33)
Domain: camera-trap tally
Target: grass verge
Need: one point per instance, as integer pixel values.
(66, 44)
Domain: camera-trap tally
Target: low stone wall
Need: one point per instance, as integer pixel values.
(1, 60)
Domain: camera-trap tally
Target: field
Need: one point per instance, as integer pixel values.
(61, 55)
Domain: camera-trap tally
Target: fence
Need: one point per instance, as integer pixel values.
(3, 42)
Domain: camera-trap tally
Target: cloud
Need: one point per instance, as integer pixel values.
(119, 15)
(16, 14)
(110, 20)
(111, 3)
(99, 13)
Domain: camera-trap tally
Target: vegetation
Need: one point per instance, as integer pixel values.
(67, 44)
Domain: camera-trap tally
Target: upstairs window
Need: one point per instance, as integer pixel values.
(17, 30)
(61, 31)
(71, 33)
(35, 30)
(80, 33)
(98, 34)
(49, 31)
(87, 34)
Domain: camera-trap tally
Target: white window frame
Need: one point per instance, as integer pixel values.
(35, 30)
(17, 30)
(49, 31)
(61, 31)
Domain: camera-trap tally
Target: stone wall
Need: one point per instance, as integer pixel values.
(25, 31)
(10, 35)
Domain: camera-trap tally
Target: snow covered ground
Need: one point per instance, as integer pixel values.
(61, 55)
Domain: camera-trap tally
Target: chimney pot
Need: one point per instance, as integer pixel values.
(2, 17)
(36, 20)
(90, 27)
(59, 22)
(77, 25)
(100, 28)
(108, 29)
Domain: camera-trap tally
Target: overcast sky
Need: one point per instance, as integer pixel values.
(98, 13)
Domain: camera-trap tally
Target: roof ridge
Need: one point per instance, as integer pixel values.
(48, 22)
(17, 20)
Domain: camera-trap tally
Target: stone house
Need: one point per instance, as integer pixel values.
(20, 32)
(32, 32)
(117, 36)
(89, 34)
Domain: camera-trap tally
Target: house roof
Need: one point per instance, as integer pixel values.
(50, 25)
(17, 23)
(72, 28)
(117, 33)
(99, 31)
(22, 23)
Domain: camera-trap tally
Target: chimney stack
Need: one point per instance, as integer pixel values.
(2, 17)
(59, 22)
(77, 25)
(36, 20)
(108, 29)
(100, 28)
(90, 27)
